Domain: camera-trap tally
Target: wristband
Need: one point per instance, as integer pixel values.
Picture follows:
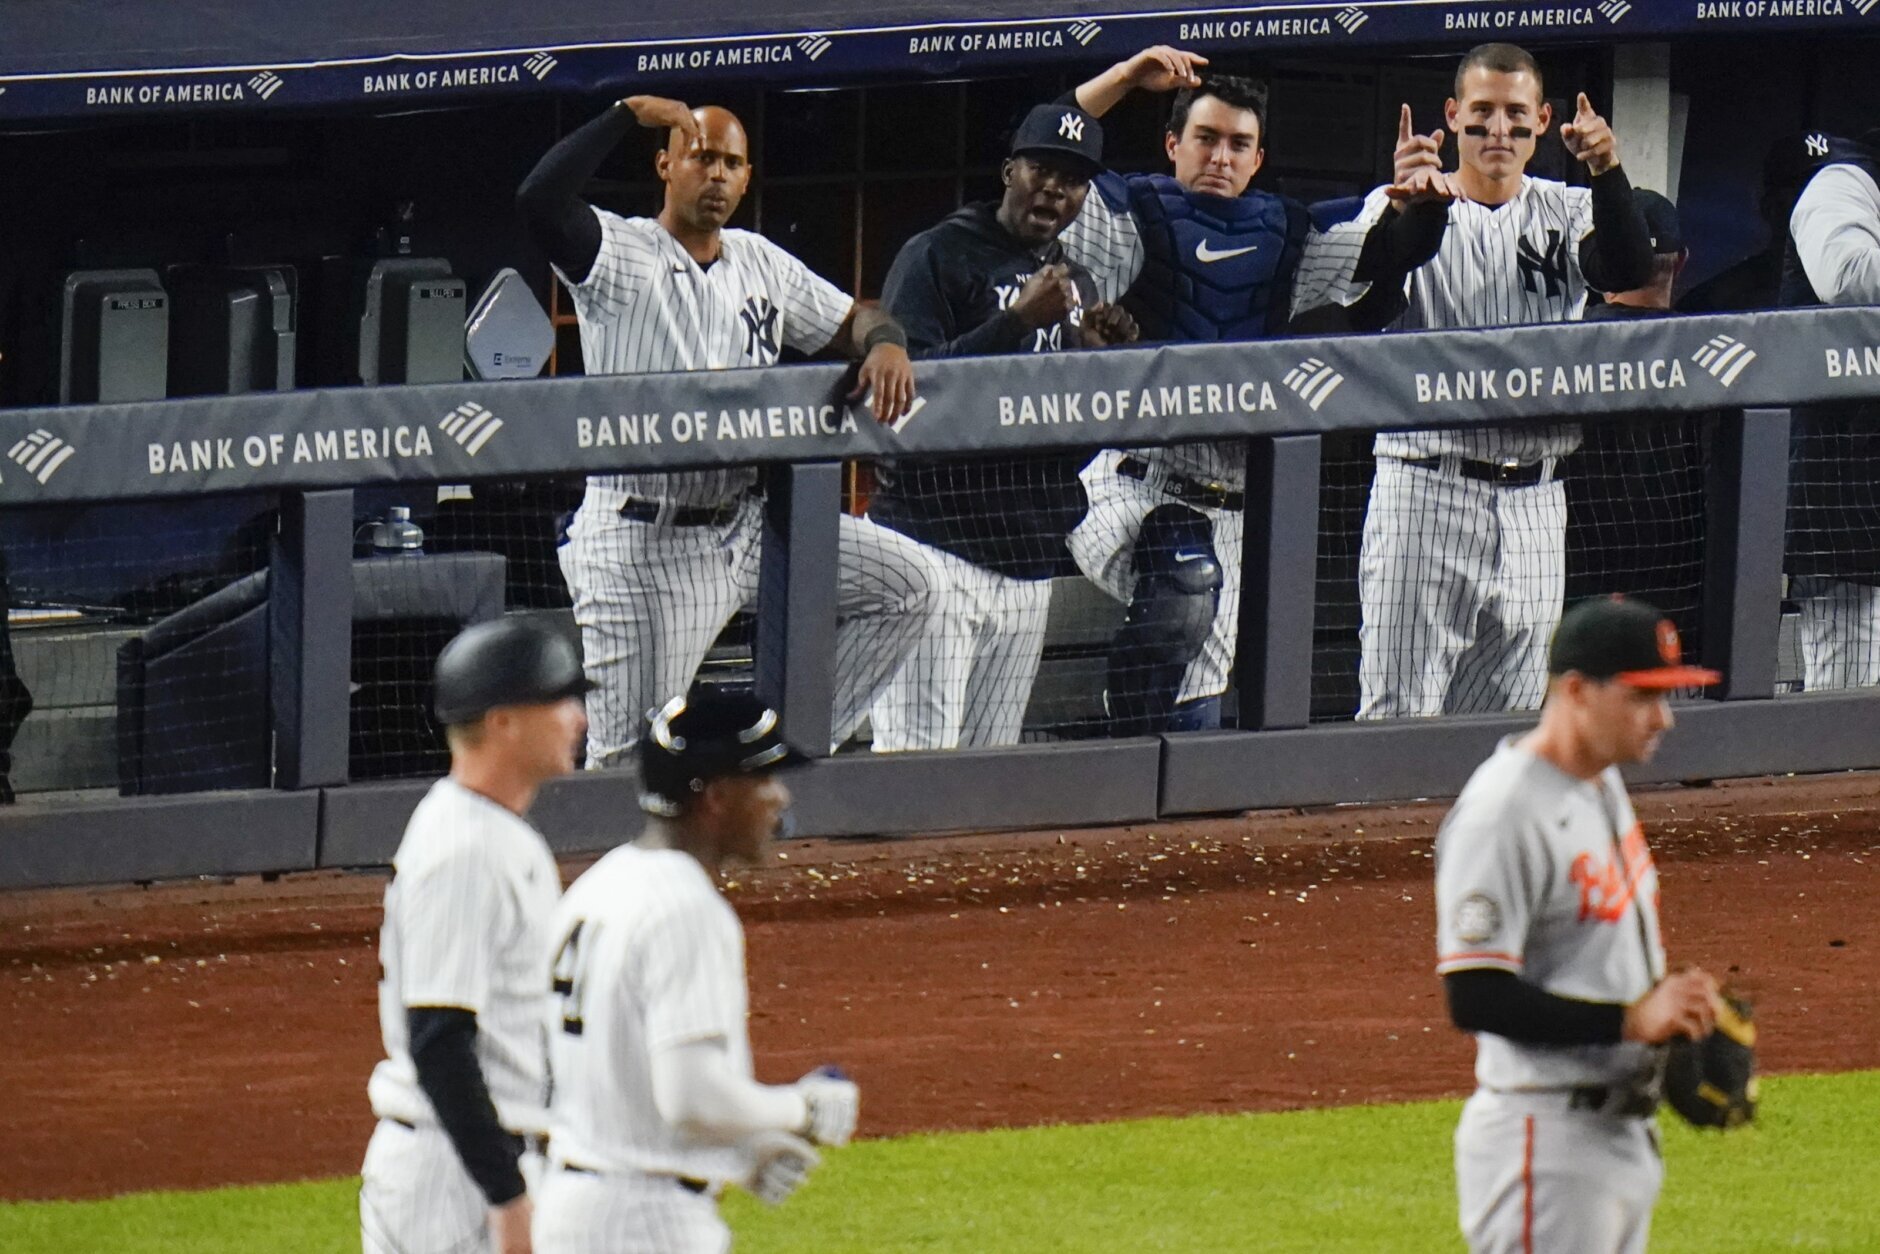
(885, 333)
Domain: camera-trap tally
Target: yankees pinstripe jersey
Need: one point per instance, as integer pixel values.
(1509, 265)
(648, 956)
(647, 306)
(466, 926)
(1529, 881)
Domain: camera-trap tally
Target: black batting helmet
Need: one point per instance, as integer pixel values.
(506, 661)
(695, 740)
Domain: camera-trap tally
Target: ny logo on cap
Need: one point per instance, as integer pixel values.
(1071, 127)
(1817, 145)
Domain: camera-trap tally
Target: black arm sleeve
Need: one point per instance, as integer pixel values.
(1501, 1002)
(443, 1048)
(915, 294)
(561, 223)
(1401, 241)
(1617, 256)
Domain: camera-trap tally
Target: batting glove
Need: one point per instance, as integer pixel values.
(780, 1164)
(834, 1104)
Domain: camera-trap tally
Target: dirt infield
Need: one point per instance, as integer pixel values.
(192, 1035)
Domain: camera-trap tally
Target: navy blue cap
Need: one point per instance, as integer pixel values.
(1661, 221)
(1060, 128)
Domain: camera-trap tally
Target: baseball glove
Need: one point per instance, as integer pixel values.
(1712, 1082)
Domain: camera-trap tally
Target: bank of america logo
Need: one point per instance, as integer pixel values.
(41, 453)
(814, 46)
(471, 426)
(1613, 10)
(1351, 19)
(1865, 6)
(1312, 381)
(1084, 32)
(1725, 358)
(265, 84)
(540, 65)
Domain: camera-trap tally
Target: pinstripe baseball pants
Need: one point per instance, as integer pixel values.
(650, 599)
(587, 1213)
(416, 1198)
(968, 681)
(1840, 633)
(1461, 585)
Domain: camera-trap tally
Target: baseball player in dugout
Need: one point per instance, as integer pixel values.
(1197, 255)
(657, 564)
(654, 1108)
(1463, 560)
(463, 956)
(1550, 951)
(1833, 559)
(993, 278)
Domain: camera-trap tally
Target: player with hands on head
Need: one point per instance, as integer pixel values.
(1462, 564)
(1551, 952)
(993, 278)
(1195, 254)
(658, 563)
(654, 1107)
(463, 956)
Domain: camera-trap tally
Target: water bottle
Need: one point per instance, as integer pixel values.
(396, 535)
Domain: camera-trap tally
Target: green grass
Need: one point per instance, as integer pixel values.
(1356, 1179)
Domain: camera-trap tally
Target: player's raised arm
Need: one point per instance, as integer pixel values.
(560, 222)
(1159, 69)
(1617, 255)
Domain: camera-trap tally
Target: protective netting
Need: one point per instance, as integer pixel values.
(1440, 579)
(1833, 553)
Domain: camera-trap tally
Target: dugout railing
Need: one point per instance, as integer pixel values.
(316, 449)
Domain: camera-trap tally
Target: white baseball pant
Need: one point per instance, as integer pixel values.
(968, 681)
(1535, 1177)
(416, 1198)
(650, 600)
(1104, 545)
(1839, 632)
(1461, 584)
(580, 1212)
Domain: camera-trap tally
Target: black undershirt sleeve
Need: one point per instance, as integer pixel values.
(1402, 240)
(560, 222)
(1483, 1000)
(1617, 256)
(443, 1048)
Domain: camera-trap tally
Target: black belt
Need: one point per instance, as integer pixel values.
(1187, 491)
(691, 1184)
(637, 510)
(537, 1141)
(1628, 1103)
(1501, 474)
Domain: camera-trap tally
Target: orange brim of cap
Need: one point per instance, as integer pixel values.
(1671, 677)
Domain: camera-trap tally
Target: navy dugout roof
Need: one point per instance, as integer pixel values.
(78, 59)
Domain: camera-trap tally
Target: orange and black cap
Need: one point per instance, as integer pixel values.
(1617, 638)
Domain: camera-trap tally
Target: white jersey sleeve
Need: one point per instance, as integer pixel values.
(693, 975)
(1490, 876)
(449, 909)
(1836, 227)
(1330, 260)
(813, 308)
(1105, 239)
(620, 275)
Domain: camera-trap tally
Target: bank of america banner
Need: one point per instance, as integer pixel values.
(92, 58)
(455, 433)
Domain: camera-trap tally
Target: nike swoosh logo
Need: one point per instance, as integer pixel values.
(1204, 254)
(1189, 557)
